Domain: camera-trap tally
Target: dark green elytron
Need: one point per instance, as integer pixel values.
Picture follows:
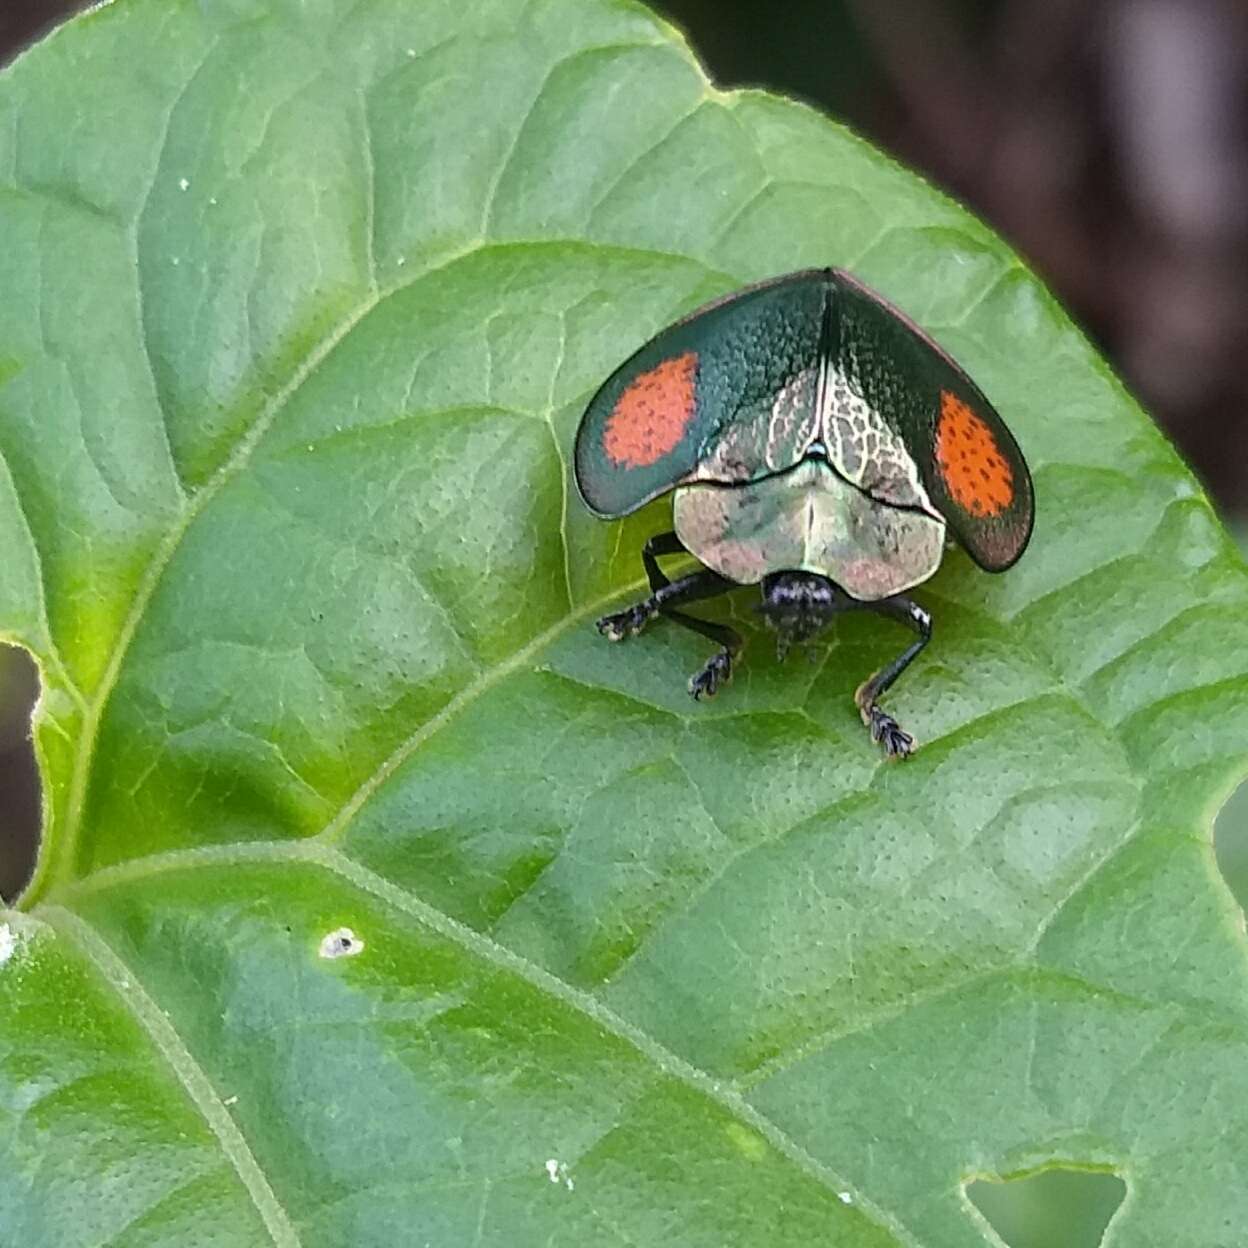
(819, 443)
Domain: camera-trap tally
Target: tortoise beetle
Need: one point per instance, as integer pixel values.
(819, 444)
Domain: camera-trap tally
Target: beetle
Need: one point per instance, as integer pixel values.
(820, 445)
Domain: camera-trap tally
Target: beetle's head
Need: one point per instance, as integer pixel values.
(797, 605)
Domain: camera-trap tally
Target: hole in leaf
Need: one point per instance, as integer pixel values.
(1230, 841)
(1054, 1208)
(19, 775)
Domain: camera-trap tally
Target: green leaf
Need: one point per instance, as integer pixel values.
(301, 303)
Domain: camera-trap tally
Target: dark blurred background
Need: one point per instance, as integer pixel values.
(1108, 142)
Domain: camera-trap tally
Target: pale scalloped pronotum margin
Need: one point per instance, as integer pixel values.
(301, 306)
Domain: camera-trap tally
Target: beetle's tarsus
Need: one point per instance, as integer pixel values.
(625, 624)
(887, 732)
(884, 729)
(706, 683)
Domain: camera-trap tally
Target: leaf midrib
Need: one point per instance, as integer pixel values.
(66, 843)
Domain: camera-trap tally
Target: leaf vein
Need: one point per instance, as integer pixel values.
(336, 828)
(189, 1073)
(491, 195)
(666, 1061)
(169, 544)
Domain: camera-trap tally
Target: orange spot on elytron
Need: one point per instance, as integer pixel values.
(976, 473)
(651, 416)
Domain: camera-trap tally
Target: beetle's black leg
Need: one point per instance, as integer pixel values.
(669, 594)
(665, 596)
(883, 727)
(660, 544)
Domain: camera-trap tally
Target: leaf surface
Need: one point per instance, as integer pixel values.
(301, 305)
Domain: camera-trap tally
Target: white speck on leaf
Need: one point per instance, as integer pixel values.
(341, 943)
(8, 943)
(230, 1100)
(184, 184)
(557, 1172)
(176, 260)
(847, 1198)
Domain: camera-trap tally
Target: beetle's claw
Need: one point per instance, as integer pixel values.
(887, 732)
(625, 624)
(707, 682)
